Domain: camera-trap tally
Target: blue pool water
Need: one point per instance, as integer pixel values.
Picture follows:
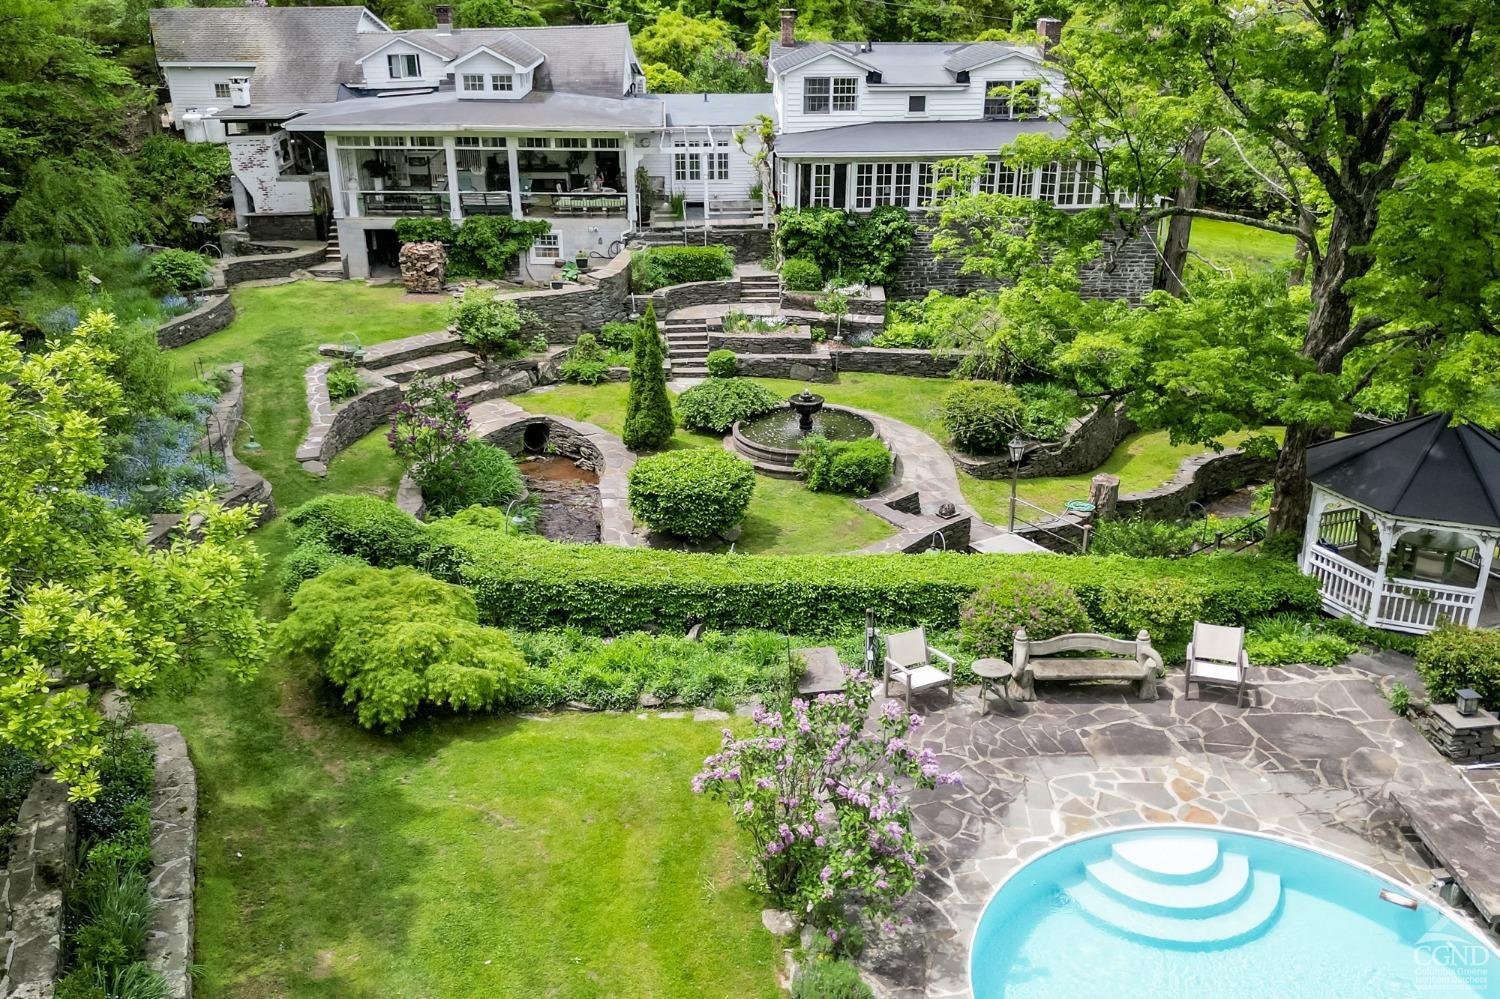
(1212, 914)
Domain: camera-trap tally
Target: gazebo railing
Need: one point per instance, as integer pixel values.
(1412, 605)
(1347, 587)
(1339, 526)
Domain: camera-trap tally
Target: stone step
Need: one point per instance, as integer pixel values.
(686, 371)
(384, 355)
(479, 392)
(696, 340)
(432, 365)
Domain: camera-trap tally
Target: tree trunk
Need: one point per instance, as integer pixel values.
(1179, 229)
(1299, 268)
(1326, 344)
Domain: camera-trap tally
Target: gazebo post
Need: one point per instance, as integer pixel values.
(1314, 522)
(1486, 558)
(1387, 529)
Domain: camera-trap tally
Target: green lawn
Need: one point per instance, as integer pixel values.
(1142, 461)
(276, 334)
(562, 856)
(911, 400)
(1240, 248)
(783, 517)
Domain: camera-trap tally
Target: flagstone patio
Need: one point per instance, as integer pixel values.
(1315, 757)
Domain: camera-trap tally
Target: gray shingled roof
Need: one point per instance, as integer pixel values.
(916, 138)
(579, 58)
(913, 64)
(685, 110)
(301, 54)
(512, 47)
(540, 110)
(1424, 469)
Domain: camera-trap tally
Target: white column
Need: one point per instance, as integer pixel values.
(849, 171)
(632, 196)
(515, 177)
(335, 178)
(705, 160)
(1387, 531)
(1486, 559)
(450, 153)
(1314, 525)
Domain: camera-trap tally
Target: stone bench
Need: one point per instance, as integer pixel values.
(1462, 831)
(1038, 660)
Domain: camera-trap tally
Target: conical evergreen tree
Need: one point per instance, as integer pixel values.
(649, 423)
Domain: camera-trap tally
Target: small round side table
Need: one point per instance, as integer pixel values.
(994, 680)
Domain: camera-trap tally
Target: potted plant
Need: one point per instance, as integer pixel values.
(581, 260)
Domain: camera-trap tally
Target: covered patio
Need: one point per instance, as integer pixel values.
(1403, 524)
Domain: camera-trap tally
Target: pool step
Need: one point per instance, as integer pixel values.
(1217, 893)
(1248, 919)
(1180, 858)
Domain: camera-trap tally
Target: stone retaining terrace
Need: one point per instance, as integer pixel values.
(1317, 756)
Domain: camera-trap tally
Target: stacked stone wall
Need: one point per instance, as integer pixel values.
(33, 886)
(212, 314)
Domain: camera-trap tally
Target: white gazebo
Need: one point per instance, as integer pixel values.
(1404, 521)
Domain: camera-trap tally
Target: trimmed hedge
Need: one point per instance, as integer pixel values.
(1454, 657)
(855, 467)
(661, 266)
(721, 364)
(696, 493)
(528, 582)
(802, 274)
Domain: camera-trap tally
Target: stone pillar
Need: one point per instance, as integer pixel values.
(515, 177)
(1104, 493)
(1461, 738)
(450, 154)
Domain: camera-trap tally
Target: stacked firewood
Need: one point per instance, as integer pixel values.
(423, 266)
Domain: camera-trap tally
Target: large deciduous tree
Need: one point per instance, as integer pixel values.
(83, 601)
(1372, 125)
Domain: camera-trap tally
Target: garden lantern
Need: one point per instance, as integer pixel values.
(1468, 702)
(1017, 452)
(1017, 449)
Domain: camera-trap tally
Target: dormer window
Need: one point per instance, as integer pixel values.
(403, 66)
(474, 82)
(822, 94)
(502, 82)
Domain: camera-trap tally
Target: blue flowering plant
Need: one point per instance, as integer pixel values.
(822, 790)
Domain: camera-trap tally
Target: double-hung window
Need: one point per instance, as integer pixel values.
(824, 94)
(1046, 183)
(718, 166)
(403, 66)
(1012, 99)
(687, 166)
(221, 91)
(546, 247)
(845, 93)
(998, 179)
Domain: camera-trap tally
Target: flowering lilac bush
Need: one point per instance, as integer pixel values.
(429, 427)
(821, 790)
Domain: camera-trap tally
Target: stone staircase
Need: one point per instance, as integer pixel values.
(687, 347)
(760, 288)
(332, 267)
(432, 355)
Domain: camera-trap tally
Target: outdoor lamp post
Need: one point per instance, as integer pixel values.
(1468, 701)
(1017, 452)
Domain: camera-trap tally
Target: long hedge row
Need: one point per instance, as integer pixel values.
(532, 583)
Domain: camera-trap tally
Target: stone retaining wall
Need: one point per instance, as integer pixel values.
(793, 341)
(680, 296)
(1085, 446)
(603, 296)
(816, 366)
(270, 226)
(896, 361)
(262, 266)
(332, 428)
(751, 243)
(871, 304)
(1126, 270)
(246, 485)
(32, 885)
(174, 853)
(212, 315)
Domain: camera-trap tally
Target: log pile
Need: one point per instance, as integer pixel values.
(423, 267)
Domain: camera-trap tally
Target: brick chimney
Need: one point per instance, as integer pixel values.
(1050, 31)
(444, 13)
(788, 26)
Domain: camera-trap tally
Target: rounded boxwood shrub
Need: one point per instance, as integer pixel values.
(982, 417)
(696, 493)
(479, 475)
(1453, 657)
(176, 270)
(854, 467)
(366, 527)
(988, 620)
(717, 404)
(721, 364)
(801, 274)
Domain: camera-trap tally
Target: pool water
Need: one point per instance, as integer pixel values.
(1214, 914)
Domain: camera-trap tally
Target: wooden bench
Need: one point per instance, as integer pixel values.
(1038, 660)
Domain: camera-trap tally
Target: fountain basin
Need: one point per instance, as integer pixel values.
(773, 442)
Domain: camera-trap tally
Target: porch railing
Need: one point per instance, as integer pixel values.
(574, 204)
(484, 202)
(402, 202)
(1410, 605)
(1347, 587)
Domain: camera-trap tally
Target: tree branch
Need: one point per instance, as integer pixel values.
(1168, 211)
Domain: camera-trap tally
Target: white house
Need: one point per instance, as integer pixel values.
(862, 124)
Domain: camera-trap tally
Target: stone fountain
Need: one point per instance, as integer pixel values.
(773, 442)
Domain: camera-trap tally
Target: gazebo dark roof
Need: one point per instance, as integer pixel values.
(1421, 469)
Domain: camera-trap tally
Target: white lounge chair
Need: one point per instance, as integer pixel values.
(1216, 655)
(908, 663)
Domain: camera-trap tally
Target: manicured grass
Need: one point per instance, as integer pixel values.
(783, 517)
(1240, 248)
(276, 334)
(562, 856)
(1142, 461)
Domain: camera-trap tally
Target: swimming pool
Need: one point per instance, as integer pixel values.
(1183, 910)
